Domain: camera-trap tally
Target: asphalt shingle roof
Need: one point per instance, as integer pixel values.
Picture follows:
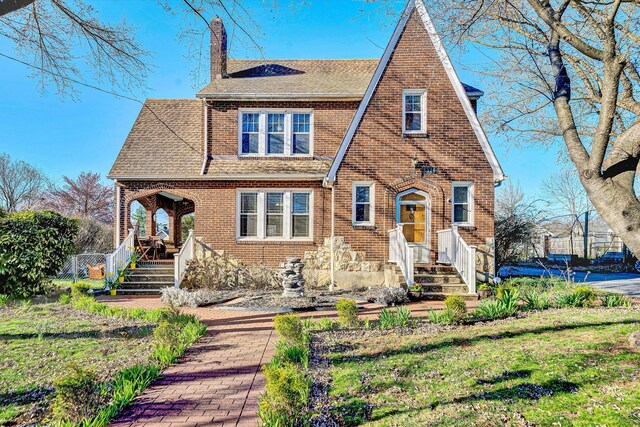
(262, 167)
(165, 140)
(346, 78)
(289, 78)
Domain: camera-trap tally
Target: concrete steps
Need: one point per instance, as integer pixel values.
(148, 277)
(440, 281)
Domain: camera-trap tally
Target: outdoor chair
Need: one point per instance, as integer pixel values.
(139, 245)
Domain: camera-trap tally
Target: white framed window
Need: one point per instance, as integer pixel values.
(274, 214)
(275, 132)
(362, 197)
(414, 111)
(248, 221)
(462, 203)
(300, 215)
(250, 133)
(301, 133)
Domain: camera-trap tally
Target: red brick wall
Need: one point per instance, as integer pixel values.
(331, 120)
(379, 152)
(215, 215)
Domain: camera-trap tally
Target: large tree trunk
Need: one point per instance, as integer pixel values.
(618, 207)
(612, 192)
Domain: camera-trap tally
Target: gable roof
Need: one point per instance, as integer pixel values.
(418, 5)
(287, 79)
(165, 140)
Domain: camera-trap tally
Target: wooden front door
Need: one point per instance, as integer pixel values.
(413, 210)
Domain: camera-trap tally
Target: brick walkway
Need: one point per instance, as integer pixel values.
(218, 381)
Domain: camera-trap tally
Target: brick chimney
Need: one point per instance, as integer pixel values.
(218, 49)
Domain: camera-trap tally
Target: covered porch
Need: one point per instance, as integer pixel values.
(163, 217)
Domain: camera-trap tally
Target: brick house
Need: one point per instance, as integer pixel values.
(367, 169)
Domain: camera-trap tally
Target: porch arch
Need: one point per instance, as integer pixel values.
(175, 202)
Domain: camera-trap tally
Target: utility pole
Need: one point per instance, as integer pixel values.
(586, 235)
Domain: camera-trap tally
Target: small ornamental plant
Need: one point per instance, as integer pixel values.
(290, 329)
(416, 287)
(112, 283)
(133, 259)
(347, 312)
(123, 273)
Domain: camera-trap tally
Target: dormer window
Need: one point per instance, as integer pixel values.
(414, 111)
(275, 133)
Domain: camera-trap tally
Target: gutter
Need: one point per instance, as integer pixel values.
(278, 96)
(275, 177)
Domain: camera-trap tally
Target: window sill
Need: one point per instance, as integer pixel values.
(275, 156)
(415, 135)
(274, 241)
(466, 226)
(364, 226)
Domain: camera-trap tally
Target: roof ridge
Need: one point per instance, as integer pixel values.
(305, 59)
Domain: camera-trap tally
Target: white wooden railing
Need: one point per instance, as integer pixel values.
(401, 253)
(452, 249)
(186, 254)
(119, 259)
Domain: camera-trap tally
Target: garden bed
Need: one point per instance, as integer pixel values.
(39, 343)
(274, 301)
(79, 362)
(553, 367)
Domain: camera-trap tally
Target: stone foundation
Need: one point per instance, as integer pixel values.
(351, 267)
(345, 258)
(485, 262)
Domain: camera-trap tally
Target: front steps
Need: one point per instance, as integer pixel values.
(148, 277)
(438, 281)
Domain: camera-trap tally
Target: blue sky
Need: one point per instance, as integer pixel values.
(65, 137)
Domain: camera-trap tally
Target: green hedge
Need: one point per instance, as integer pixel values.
(33, 247)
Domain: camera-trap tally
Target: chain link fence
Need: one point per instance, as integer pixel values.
(84, 267)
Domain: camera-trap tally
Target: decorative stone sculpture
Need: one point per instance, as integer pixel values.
(292, 280)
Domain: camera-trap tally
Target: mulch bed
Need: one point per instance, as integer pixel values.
(313, 299)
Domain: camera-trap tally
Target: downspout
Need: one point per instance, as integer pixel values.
(333, 235)
(117, 242)
(206, 137)
(328, 184)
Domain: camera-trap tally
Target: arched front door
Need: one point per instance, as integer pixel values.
(413, 212)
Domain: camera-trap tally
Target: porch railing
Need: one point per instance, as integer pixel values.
(186, 254)
(452, 249)
(401, 253)
(119, 259)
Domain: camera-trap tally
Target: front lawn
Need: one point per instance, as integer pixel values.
(561, 367)
(40, 343)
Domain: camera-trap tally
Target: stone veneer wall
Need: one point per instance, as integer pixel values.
(345, 258)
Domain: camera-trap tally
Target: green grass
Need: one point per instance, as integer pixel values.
(569, 367)
(38, 343)
(66, 283)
